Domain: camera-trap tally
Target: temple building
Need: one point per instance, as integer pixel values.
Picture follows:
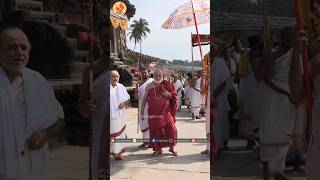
(120, 14)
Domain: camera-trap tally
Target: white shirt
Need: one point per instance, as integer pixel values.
(178, 85)
(20, 101)
(118, 94)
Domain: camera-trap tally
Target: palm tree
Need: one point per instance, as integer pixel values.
(139, 30)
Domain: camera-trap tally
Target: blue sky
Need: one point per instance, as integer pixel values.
(167, 44)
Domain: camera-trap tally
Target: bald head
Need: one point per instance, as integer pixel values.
(157, 70)
(114, 77)
(10, 33)
(14, 49)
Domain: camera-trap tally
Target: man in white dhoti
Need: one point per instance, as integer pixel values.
(97, 107)
(188, 91)
(29, 112)
(139, 93)
(280, 103)
(237, 51)
(178, 86)
(221, 84)
(206, 93)
(249, 92)
(196, 97)
(119, 100)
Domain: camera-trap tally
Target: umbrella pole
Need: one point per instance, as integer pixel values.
(192, 55)
(306, 68)
(198, 36)
(267, 51)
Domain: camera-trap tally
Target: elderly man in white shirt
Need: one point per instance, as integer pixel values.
(119, 99)
(29, 111)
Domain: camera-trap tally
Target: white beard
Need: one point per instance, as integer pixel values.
(157, 82)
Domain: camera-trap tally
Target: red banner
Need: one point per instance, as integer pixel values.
(204, 39)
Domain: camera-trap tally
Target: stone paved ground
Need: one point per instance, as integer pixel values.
(139, 164)
(241, 164)
(71, 162)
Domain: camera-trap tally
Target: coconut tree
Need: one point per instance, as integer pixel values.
(139, 30)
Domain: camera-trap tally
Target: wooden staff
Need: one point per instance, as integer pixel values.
(267, 44)
(267, 51)
(91, 44)
(306, 66)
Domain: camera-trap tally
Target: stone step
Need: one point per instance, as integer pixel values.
(73, 42)
(80, 67)
(77, 69)
(65, 71)
(59, 19)
(29, 5)
(47, 17)
(62, 85)
(81, 55)
(123, 66)
(62, 29)
(118, 63)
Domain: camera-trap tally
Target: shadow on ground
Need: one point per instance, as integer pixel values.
(238, 162)
(148, 159)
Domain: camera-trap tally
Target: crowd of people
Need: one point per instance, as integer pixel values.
(266, 89)
(160, 98)
(267, 83)
(271, 101)
(262, 88)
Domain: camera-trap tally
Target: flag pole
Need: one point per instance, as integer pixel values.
(198, 36)
(306, 66)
